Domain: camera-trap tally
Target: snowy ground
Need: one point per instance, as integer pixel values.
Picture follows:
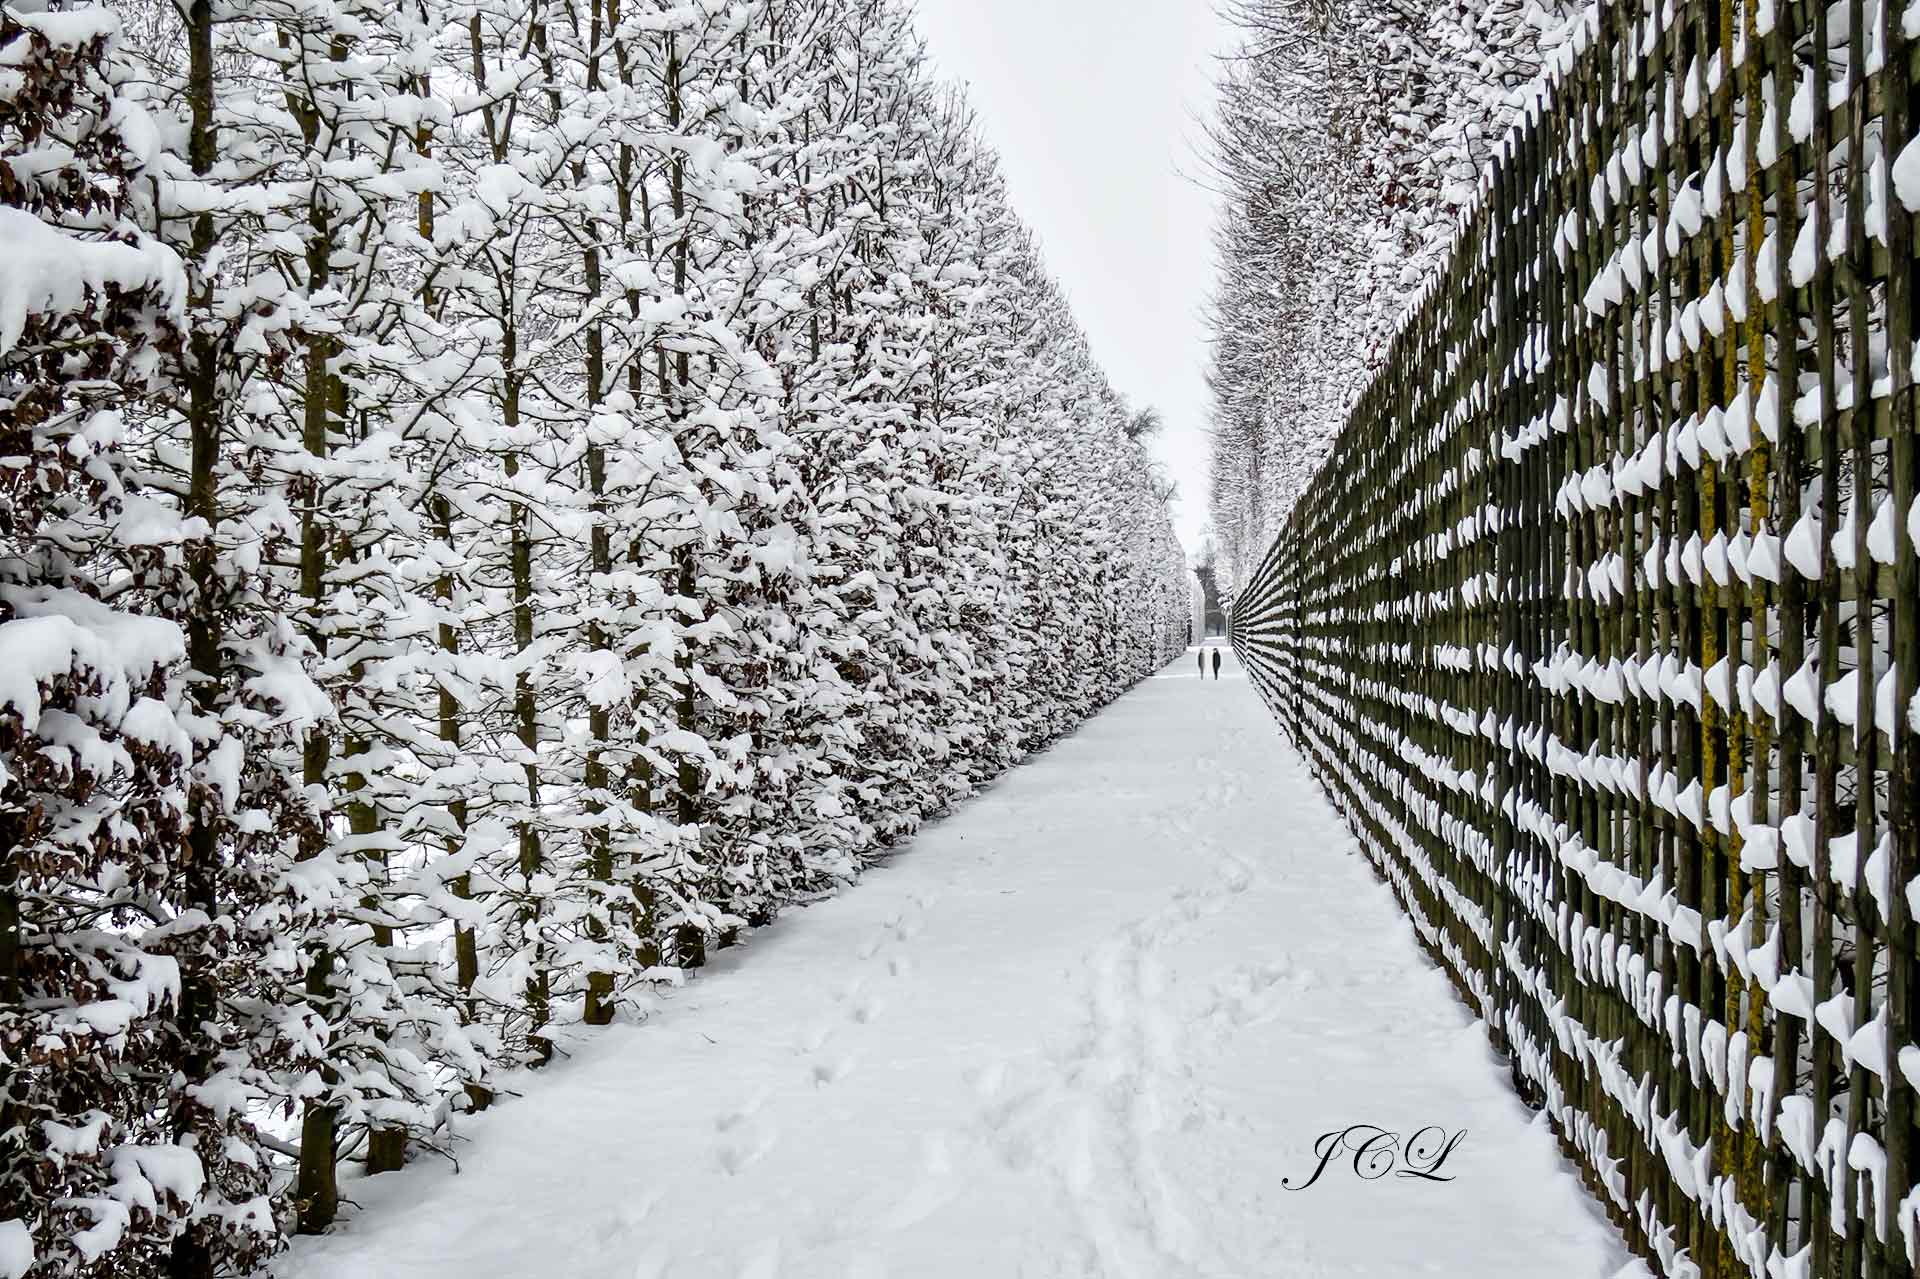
(1083, 1027)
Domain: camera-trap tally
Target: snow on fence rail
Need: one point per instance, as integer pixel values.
(1599, 625)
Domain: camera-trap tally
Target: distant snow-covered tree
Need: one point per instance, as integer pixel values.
(1346, 145)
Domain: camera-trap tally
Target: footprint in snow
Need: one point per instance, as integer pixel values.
(932, 1192)
(989, 1079)
(734, 1118)
(831, 1070)
(742, 1153)
(627, 1219)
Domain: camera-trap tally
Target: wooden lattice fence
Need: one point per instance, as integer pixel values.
(1599, 625)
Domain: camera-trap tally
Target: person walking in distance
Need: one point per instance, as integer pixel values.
(1216, 663)
(1203, 661)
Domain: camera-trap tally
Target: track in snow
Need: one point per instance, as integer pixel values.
(1083, 1027)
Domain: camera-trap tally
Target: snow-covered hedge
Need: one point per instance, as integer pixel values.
(1601, 624)
(498, 498)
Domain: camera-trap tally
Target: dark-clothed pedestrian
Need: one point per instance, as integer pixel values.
(1216, 663)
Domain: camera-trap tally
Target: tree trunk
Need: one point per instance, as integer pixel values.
(190, 1257)
(318, 1176)
(600, 869)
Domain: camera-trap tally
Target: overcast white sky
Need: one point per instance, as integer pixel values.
(1093, 106)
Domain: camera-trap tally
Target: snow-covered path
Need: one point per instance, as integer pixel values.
(1083, 1027)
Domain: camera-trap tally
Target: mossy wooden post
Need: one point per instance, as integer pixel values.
(1898, 113)
(1776, 187)
(1825, 441)
(1745, 227)
(1864, 1089)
